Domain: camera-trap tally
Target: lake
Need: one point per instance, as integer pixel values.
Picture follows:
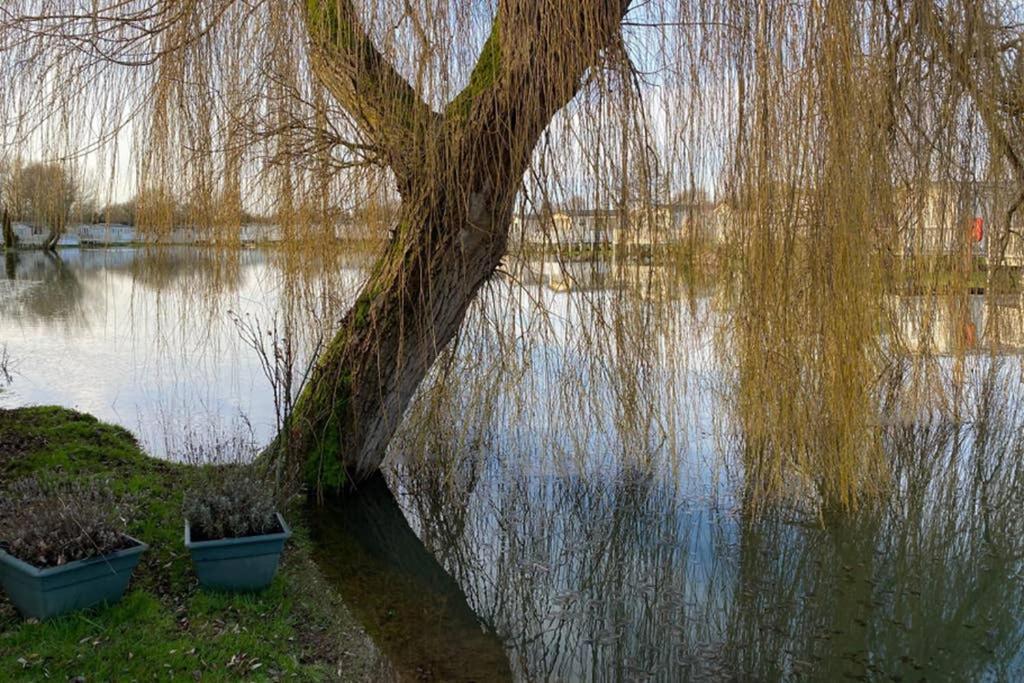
(571, 496)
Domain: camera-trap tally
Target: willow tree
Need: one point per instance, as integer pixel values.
(456, 168)
(814, 122)
(45, 193)
(458, 172)
(5, 209)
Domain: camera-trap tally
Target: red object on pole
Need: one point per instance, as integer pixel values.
(978, 231)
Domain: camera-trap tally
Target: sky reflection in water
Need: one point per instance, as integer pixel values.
(599, 551)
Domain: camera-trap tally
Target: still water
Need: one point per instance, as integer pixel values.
(565, 502)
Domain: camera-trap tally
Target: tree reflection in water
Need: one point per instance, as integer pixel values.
(571, 491)
(622, 576)
(43, 286)
(415, 612)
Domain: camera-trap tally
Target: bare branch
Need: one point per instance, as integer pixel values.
(364, 82)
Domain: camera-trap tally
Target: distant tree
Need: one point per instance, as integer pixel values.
(690, 195)
(576, 203)
(8, 229)
(5, 208)
(123, 213)
(156, 205)
(45, 193)
(155, 208)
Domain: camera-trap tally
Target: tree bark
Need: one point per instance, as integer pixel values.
(458, 173)
(8, 230)
(406, 313)
(51, 241)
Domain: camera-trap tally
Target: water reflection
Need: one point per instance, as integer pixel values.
(954, 325)
(43, 286)
(144, 338)
(416, 613)
(570, 489)
(628, 579)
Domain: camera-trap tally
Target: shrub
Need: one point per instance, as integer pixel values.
(230, 503)
(48, 524)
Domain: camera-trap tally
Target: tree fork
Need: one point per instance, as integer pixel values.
(458, 174)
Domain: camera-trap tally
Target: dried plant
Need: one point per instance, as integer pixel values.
(213, 443)
(286, 365)
(230, 502)
(49, 524)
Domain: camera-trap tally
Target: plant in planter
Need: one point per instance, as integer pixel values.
(63, 546)
(233, 530)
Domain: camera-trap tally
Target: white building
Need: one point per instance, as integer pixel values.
(948, 219)
(31, 235)
(567, 228)
(664, 224)
(584, 228)
(256, 233)
(530, 229)
(106, 234)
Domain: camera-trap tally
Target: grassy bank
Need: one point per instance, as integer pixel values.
(166, 628)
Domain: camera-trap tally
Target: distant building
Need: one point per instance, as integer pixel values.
(996, 201)
(648, 226)
(529, 229)
(181, 235)
(665, 224)
(723, 224)
(32, 235)
(948, 219)
(584, 227)
(937, 220)
(575, 228)
(256, 233)
(638, 227)
(29, 234)
(106, 234)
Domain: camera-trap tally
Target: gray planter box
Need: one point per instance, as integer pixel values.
(43, 593)
(237, 564)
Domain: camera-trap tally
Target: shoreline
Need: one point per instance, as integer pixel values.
(299, 628)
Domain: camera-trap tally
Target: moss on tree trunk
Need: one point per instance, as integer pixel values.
(405, 315)
(458, 173)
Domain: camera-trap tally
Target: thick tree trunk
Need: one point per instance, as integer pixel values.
(56, 232)
(408, 311)
(458, 173)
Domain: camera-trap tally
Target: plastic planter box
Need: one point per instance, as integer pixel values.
(43, 593)
(237, 564)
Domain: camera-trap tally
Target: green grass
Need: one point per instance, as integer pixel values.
(166, 628)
